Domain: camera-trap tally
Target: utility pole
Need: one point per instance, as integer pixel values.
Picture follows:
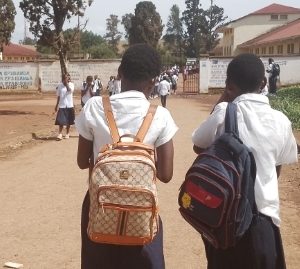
(25, 30)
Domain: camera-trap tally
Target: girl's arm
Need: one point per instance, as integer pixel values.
(164, 162)
(85, 153)
(57, 102)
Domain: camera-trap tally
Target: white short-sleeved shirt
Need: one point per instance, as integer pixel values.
(129, 110)
(87, 95)
(164, 87)
(268, 134)
(110, 86)
(66, 97)
(117, 86)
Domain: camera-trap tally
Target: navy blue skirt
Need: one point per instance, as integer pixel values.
(65, 116)
(105, 256)
(260, 248)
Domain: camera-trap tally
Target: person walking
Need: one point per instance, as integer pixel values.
(87, 90)
(117, 85)
(110, 85)
(97, 86)
(273, 71)
(64, 106)
(164, 90)
(268, 133)
(139, 67)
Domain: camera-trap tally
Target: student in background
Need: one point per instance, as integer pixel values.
(64, 106)
(97, 86)
(110, 85)
(164, 90)
(117, 85)
(273, 76)
(87, 90)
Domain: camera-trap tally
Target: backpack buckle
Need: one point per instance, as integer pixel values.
(124, 174)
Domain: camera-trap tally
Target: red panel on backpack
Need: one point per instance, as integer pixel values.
(206, 198)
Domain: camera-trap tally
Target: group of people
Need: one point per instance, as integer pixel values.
(165, 84)
(114, 85)
(267, 132)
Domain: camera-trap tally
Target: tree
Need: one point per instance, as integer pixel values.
(28, 41)
(113, 35)
(47, 18)
(214, 17)
(88, 39)
(126, 21)
(146, 25)
(174, 33)
(102, 51)
(193, 18)
(7, 18)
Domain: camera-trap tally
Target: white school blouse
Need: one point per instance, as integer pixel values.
(66, 97)
(129, 109)
(268, 134)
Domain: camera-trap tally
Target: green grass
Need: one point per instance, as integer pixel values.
(288, 102)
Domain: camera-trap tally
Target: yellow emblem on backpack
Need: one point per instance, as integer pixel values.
(186, 200)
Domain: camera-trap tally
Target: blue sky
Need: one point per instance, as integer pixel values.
(100, 11)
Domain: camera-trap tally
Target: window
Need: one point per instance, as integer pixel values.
(257, 51)
(290, 48)
(274, 17)
(263, 50)
(284, 17)
(271, 50)
(280, 49)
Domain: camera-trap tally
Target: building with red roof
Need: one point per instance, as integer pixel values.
(18, 53)
(283, 40)
(272, 30)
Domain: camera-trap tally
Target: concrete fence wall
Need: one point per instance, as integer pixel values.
(46, 75)
(213, 71)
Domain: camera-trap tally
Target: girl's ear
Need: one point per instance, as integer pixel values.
(263, 83)
(231, 91)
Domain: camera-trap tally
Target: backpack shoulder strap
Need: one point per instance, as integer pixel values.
(146, 123)
(231, 125)
(110, 119)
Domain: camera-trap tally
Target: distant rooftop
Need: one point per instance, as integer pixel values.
(276, 9)
(288, 31)
(12, 50)
(268, 10)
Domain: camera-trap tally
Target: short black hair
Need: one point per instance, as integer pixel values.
(246, 71)
(140, 62)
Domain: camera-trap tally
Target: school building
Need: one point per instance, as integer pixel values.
(19, 53)
(271, 31)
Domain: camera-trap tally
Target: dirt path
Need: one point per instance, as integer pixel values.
(42, 190)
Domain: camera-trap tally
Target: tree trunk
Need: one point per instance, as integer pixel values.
(62, 60)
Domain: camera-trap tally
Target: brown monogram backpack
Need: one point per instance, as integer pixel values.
(122, 188)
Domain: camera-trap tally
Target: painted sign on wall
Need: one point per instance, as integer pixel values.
(16, 77)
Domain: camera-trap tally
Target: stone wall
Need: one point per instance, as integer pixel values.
(45, 75)
(213, 71)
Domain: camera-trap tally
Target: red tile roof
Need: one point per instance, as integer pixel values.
(276, 9)
(268, 10)
(288, 31)
(14, 50)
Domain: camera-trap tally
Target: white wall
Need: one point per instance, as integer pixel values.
(213, 71)
(26, 76)
(21, 76)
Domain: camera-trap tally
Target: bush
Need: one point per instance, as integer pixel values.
(288, 101)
